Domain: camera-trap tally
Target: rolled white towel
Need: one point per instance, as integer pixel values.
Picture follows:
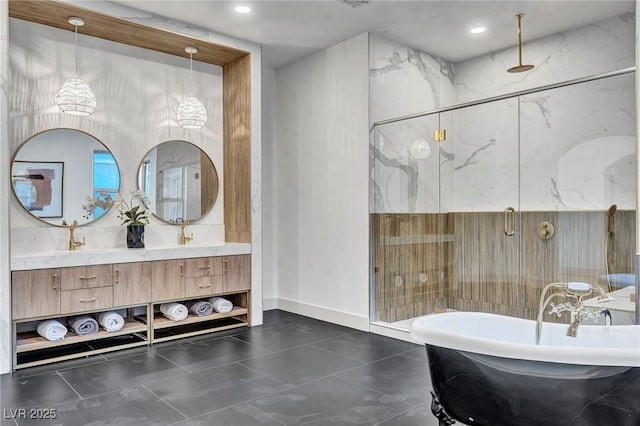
(52, 330)
(111, 321)
(200, 308)
(220, 304)
(174, 311)
(83, 325)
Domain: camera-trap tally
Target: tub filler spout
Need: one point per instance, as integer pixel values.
(573, 293)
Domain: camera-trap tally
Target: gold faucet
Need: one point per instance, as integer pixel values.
(183, 238)
(72, 241)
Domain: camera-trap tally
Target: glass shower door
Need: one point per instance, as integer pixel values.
(480, 187)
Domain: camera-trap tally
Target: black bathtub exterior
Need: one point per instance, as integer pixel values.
(478, 389)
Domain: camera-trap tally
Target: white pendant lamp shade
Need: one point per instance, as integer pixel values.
(75, 97)
(420, 149)
(191, 112)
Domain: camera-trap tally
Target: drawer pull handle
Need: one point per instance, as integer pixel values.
(88, 277)
(93, 299)
(55, 281)
(204, 286)
(117, 276)
(181, 270)
(204, 267)
(226, 266)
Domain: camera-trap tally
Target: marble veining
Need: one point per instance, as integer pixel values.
(397, 73)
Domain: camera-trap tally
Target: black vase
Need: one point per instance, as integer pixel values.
(135, 236)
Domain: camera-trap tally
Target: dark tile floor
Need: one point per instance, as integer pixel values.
(292, 370)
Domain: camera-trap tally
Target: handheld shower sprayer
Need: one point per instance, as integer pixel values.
(611, 211)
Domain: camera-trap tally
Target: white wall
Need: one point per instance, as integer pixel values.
(322, 184)
(270, 190)
(5, 274)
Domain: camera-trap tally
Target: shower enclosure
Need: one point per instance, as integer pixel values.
(478, 206)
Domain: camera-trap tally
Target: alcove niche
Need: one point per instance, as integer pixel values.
(236, 85)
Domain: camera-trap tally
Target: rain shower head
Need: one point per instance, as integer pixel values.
(520, 67)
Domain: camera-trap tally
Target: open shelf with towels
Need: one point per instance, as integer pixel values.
(31, 348)
(163, 328)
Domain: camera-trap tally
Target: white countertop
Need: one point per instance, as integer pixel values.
(82, 257)
(621, 301)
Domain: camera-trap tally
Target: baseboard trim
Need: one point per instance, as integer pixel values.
(335, 316)
(269, 304)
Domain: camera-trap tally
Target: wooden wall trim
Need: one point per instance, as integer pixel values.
(56, 14)
(236, 95)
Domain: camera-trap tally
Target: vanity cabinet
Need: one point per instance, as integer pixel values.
(35, 293)
(200, 278)
(131, 283)
(167, 278)
(135, 290)
(237, 273)
(203, 276)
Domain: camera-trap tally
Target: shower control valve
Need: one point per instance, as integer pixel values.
(545, 230)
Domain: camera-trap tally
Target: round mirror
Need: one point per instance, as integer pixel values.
(180, 181)
(62, 175)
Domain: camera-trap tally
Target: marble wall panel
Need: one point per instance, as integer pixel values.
(406, 81)
(578, 146)
(597, 48)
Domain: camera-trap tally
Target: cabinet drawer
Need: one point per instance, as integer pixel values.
(203, 267)
(204, 286)
(86, 277)
(86, 300)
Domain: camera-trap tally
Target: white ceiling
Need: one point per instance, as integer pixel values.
(290, 30)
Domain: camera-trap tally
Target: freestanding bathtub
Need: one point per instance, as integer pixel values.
(487, 370)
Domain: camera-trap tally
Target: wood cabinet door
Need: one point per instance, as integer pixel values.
(132, 283)
(237, 273)
(167, 280)
(35, 293)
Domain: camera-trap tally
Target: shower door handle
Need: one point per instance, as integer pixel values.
(509, 221)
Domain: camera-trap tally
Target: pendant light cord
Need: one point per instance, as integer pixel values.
(191, 73)
(76, 27)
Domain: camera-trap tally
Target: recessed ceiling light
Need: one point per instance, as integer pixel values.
(243, 9)
(478, 30)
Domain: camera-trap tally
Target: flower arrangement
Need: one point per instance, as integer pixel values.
(103, 201)
(130, 214)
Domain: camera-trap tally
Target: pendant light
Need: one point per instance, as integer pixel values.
(520, 67)
(75, 97)
(191, 113)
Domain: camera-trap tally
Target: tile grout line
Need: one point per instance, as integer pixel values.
(163, 400)
(69, 384)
